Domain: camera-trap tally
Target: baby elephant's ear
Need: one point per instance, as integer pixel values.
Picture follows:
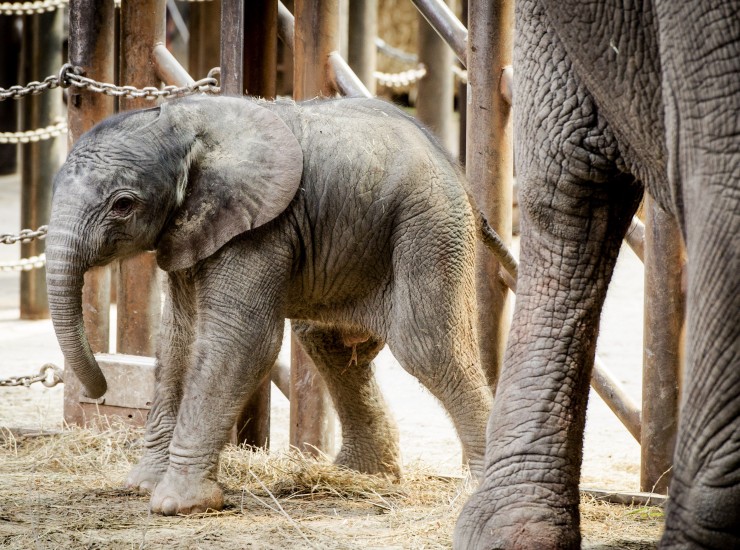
(243, 170)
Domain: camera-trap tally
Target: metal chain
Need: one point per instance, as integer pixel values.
(30, 136)
(401, 80)
(50, 375)
(24, 264)
(395, 53)
(29, 8)
(70, 76)
(25, 235)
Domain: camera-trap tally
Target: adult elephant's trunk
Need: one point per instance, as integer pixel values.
(65, 269)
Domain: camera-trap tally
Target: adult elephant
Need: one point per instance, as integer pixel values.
(613, 98)
(342, 215)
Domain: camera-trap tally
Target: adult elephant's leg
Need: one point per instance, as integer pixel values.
(239, 330)
(704, 505)
(369, 435)
(571, 234)
(173, 357)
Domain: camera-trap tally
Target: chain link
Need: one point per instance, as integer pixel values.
(31, 136)
(29, 8)
(25, 235)
(50, 375)
(70, 76)
(401, 80)
(24, 264)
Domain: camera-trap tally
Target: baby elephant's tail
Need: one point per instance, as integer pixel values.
(494, 243)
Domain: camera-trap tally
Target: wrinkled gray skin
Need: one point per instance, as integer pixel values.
(341, 215)
(610, 101)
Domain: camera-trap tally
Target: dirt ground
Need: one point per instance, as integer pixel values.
(64, 491)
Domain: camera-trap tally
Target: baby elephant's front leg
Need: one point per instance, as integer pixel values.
(173, 357)
(228, 365)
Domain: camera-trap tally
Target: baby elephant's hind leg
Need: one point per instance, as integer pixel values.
(369, 435)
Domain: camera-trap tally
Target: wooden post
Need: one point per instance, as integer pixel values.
(662, 358)
(91, 47)
(248, 61)
(42, 56)
(139, 294)
(363, 28)
(489, 163)
(204, 46)
(434, 104)
(316, 36)
(10, 45)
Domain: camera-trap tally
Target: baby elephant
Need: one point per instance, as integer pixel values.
(342, 215)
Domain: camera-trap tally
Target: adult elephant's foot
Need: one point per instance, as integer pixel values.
(178, 494)
(146, 474)
(519, 525)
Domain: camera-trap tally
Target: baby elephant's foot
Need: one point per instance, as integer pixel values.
(146, 475)
(377, 461)
(179, 494)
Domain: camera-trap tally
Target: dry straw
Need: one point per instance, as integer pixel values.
(64, 491)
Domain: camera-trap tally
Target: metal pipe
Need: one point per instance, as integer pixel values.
(168, 68)
(286, 26)
(344, 80)
(614, 395)
(489, 164)
(662, 353)
(316, 36)
(42, 53)
(444, 21)
(635, 238)
(139, 294)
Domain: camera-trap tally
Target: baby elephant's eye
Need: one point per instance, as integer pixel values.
(123, 206)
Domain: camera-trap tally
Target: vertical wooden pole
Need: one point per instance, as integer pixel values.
(664, 315)
(489, 163)
(42, 56)
(316, 36)
(248, 61)
(363, 29)
(91, 47)
(10, 46)
(139, 294)
(204, 47)
(434, 104)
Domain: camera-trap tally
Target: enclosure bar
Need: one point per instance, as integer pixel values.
(363, 29)
(616, 398)
(635, 238)
(462, 97)
(443, 20)
(344, 79)
(204, 46)
(316, 36)
(489, 164)
(286, 26)
(42, 56)
(168, 68)
(10, 45)
(142, 26)
(435, 90)
(91, 47)
(249, 53)
(662, 357)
